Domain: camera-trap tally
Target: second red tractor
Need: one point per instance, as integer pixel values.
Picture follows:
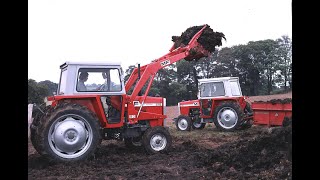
(220, 101)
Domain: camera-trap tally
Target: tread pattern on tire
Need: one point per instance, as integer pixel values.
(41, 125)
(148, 134)
(233, 105)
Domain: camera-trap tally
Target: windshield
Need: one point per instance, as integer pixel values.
(98, 79)
(212, 89)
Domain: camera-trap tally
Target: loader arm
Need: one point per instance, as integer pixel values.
(192, 50)
(173, 56)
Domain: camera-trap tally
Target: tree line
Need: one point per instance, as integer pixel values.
(37, 91)
(264, 67)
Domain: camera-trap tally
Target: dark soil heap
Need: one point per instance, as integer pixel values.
(266, 156)
(277, 101)
(208, 39)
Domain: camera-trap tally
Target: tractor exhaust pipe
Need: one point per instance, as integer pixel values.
(139, 71)
(139, 76)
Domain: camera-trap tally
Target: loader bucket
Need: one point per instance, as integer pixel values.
(197, 52)
(201, 40)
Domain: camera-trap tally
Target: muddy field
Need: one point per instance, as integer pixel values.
(255, 153)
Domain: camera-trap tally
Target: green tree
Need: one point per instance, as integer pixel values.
(226, 63)
(36, 93)
(187, 74)
(249, 72)
(178, 92)
(266, 54)
(206, 66)
(285, 52)
(128, 72)
(52, 87)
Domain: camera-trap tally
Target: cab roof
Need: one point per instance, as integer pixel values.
(91, 63)
(217, 79)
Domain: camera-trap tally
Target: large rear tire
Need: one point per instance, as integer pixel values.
(37, 116)
(156, 139)
(183, 123)
(67, 133)
(228, 116)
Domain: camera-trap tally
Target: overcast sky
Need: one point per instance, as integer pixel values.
(139, 31)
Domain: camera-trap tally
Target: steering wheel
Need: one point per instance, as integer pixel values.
(101, 88)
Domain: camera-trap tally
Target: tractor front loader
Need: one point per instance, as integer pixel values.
(92, 104)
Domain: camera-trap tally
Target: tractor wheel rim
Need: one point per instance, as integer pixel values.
(196, 125)
(70, 136)
(158, 142)
(182, 124)
(227, 118)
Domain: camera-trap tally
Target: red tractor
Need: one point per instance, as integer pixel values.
(92, 104)
(219, 101)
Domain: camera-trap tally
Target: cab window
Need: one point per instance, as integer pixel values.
(98, 80)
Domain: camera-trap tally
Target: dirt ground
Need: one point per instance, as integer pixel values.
(255, 153)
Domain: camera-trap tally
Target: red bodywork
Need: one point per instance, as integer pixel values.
(266, 113)
(93, 103)
(152, 107)
(186, 106)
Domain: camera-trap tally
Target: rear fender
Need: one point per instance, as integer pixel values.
(217, 102)
(240, 100)
(93, 103)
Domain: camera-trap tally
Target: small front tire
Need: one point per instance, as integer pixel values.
(183, 123)
(156, 139)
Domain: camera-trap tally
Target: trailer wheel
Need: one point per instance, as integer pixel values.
(183, 123)
(286, 121)
(228, 115)
(69, 132)
(198, 126)
(156, 139)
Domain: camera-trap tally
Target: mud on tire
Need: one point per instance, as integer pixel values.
(228, 116)
(156, 139)
(67, 132)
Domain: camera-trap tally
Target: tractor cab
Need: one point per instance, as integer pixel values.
(91, 78)
(217, 88)
(103, 80)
